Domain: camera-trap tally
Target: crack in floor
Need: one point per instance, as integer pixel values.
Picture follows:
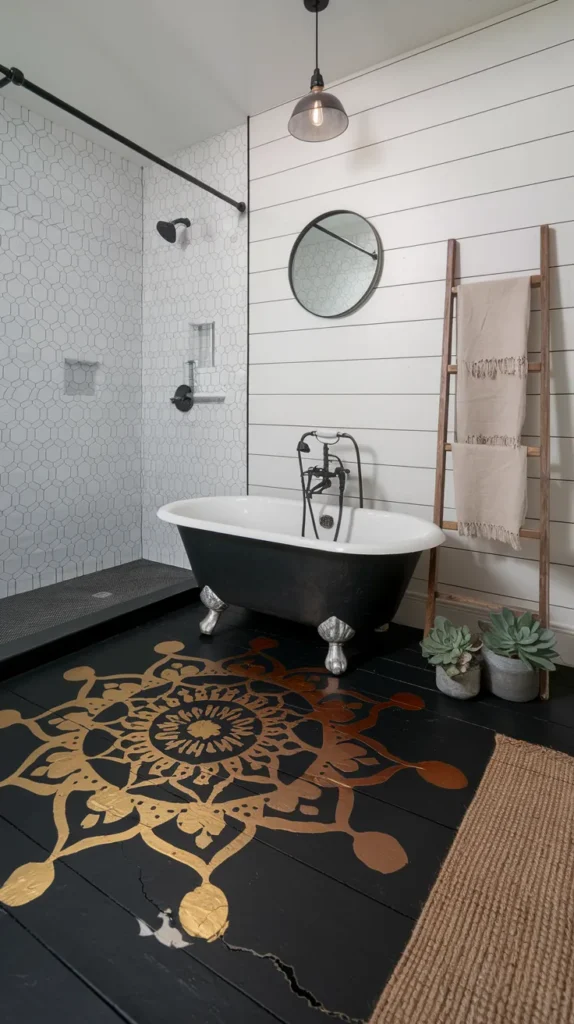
(146, 894)
(289, 973)
(286, 970)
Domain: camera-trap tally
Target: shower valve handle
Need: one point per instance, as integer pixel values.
(183, 398)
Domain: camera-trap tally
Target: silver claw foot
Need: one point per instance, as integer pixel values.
(335, 632)
(215, 607)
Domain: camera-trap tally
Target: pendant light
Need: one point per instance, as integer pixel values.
(319, 115)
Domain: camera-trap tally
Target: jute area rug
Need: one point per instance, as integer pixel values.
(495, 941)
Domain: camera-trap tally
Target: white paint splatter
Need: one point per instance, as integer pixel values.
(166, 933)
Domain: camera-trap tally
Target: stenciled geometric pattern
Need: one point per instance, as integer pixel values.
(195, 757)
(201, 278)
(70, 262)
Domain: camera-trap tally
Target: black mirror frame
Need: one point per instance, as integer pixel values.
(376, 277)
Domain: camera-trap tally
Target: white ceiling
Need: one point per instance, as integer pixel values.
(167, 73)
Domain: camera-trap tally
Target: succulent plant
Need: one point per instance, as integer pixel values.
(451, 647)
(523, 637)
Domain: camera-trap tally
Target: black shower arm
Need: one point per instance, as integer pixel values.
(16, 77)
(346, 241)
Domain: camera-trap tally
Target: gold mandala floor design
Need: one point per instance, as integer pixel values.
(164, 754)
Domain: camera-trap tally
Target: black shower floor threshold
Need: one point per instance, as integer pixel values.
(46, 623)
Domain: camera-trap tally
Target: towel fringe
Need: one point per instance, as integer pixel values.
(514, 366)
(490, 531)
(503, 440)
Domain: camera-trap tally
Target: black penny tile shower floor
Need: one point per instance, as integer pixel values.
(213, 829)
(24, 615)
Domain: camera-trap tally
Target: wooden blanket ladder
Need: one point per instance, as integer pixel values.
(448, 370)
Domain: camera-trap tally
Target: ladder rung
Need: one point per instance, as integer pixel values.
(533, 451)
(487, 605)
(532, 368)
(451, 524)
(535, 281)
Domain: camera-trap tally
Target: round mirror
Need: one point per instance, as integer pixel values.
(335, 264)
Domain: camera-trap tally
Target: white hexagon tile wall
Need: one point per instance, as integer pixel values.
(201, 278)
(70, 260)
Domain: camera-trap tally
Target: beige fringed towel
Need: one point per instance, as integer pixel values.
(489, 465)
(490, 491)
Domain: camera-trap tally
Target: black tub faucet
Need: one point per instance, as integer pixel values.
(318, 479)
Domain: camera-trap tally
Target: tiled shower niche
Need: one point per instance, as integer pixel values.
(202, 345)
(80, 377)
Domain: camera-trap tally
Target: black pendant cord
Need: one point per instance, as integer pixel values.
(317, 39)
(16, 77)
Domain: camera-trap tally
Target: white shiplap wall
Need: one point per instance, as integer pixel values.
(471, 138)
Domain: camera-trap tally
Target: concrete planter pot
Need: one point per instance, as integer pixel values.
(509, 678)
(461, 687)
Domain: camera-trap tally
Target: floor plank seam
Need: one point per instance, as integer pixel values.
(438, 712)
(112, 899)
(304, 977)
(80, 977)
(523, 715)
(364, 792)
(518, 708)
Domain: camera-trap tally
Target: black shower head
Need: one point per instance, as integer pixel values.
(167, 230)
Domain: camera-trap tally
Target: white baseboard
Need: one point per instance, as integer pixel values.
(412, 613)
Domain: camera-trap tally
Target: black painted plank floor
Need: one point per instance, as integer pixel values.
(241, 837)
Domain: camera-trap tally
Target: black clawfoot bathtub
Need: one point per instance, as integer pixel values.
(248, 551)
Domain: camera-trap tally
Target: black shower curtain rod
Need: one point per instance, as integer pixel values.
(16, 77)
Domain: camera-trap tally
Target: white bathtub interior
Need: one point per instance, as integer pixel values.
(363, 531)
